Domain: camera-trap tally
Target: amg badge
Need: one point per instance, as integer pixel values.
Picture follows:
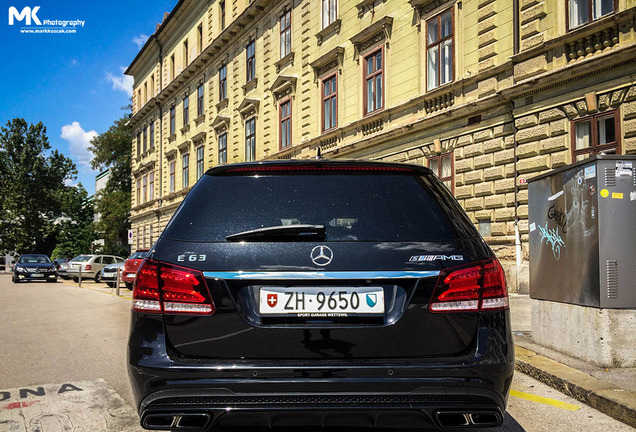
(437, 257)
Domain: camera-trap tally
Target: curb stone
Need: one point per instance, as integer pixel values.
(604, 397)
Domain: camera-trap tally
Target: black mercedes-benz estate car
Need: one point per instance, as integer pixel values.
(320, 293)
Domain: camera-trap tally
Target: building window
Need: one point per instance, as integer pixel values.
(200, 165)
(250, 55)
(152, 134)
(442, 167)
(583, 11)
(173, 126)
(145, 139)
(223, 83)
(200, 39)
(329, 103)
(373, 80)
(152, 85)
(597, 134)
(250, 139)
(144, 188)
(439, 50)
(145, 92)
(138, 144)
(151, 185)
(223, 148)
(285, 123)
(222, 14)
(186, 110)
(172, 176)
(285, 34)
(172, 70)
(329, 12)
(200, 100)
(139, 102)
(185, 163)
(186, 56)
(138, 191)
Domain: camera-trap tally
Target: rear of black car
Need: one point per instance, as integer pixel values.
(320, 293)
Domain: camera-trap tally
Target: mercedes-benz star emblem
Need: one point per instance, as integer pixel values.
(321, 255)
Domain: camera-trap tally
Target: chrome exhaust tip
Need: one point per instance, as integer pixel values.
(459, 419)
(176, 421)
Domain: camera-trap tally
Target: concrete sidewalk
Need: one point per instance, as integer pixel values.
(611, 391)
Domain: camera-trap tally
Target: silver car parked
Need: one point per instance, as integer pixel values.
(90, 265)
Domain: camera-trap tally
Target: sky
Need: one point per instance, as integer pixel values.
(72, 82)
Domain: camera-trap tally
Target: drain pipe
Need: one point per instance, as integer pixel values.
(518, 249)
(159, 189)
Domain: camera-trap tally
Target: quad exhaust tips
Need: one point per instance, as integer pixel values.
(458, 419)
(176, 421)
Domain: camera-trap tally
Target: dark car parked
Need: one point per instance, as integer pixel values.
(34, 267)
(320, 293)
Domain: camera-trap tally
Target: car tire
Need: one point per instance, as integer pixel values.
(76, 279)
(55, 280)
(96, 278)
(111, 284)
(15, 279)
(129, 286)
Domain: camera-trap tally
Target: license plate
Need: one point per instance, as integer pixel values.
(321, 301)
(37, 275)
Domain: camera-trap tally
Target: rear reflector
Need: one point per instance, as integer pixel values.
(170, 289)
(478, 286)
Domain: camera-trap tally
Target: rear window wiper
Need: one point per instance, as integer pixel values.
(281, 233)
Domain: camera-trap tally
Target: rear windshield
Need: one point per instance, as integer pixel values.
(82, 258)
(364, 207)
(138, 255)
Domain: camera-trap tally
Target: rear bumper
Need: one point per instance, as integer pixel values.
(85, 274)
(468, 391)
(128, 277)
(379, 410)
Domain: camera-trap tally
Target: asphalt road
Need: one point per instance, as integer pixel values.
(63, 367)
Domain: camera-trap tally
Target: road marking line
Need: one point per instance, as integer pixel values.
(544, 400)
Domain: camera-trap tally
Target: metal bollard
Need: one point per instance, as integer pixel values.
(80, 276)
(117, 283)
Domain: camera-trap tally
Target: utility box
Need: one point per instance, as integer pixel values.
(582, 229)
(582, 224)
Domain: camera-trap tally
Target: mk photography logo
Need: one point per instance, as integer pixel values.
(31, 23)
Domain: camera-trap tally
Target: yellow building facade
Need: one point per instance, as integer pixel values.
(488, 93)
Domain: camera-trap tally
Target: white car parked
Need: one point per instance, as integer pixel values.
(90, 265)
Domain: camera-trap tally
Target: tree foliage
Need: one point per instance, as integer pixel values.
(75, 231)
(113, 150)
(34, 192)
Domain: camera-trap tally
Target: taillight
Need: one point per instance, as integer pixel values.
(170, 289)
(476, 287)
(88, 267)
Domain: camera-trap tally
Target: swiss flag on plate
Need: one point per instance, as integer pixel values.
(272, 299)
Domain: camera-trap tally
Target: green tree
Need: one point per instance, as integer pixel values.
(75, 231)
(34, 188)
(113, 150)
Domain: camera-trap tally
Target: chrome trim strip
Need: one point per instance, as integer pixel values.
(278, 275)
